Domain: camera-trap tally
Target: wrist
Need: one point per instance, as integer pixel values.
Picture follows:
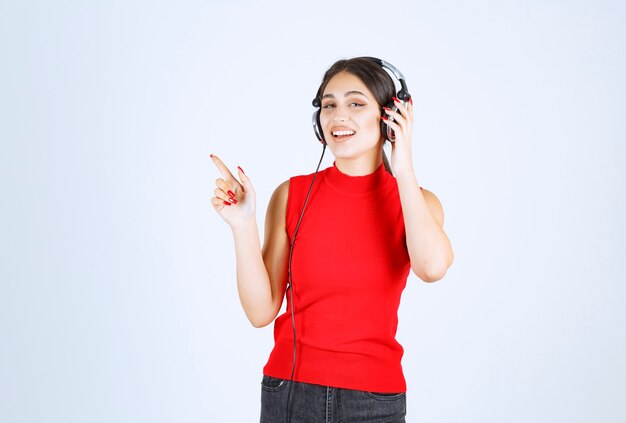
(244, 226)
(404, 172)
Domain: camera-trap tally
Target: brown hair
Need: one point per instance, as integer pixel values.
(375, 78)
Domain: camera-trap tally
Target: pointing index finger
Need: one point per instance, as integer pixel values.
(222, 168)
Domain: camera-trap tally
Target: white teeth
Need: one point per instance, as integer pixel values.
(341, 133)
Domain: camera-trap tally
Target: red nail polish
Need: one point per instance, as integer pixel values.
(395, 99)
(211, 155)
(384, 118)
(226, 203)
(239, 167)
(232, 194)
(411, 100)
(386, 108)
(234, 201)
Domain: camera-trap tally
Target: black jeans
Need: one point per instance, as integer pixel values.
(325, 404)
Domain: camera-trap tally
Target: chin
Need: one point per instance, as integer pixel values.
(346, 151)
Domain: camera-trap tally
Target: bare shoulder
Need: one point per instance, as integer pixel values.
(434, 205)
(282, 189)
(279, 196)
(277, 207)
(276, 240)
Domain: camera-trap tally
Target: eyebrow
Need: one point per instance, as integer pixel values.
(346, 94)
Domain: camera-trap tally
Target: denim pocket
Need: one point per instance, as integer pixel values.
(384, 396)
(272, 384)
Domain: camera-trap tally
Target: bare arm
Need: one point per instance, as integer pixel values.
(429, 248)
(262, 274)
(276, 248)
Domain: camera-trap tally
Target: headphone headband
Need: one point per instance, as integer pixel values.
(396, 72)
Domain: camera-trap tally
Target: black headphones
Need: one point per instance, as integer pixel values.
(402, 95)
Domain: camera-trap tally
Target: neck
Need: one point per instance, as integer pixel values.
(359, 166)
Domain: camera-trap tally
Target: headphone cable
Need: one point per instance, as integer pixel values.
(290, 286)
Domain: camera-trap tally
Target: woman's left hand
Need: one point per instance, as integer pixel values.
(402, 125)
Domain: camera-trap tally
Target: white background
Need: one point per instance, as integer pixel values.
(118, 300)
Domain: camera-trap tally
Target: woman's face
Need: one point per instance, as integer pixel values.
(350, 117)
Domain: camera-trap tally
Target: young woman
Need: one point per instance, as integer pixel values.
(360, 226)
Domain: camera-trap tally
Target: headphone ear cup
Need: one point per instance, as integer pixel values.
(385, 130)
(403, 95)
(317, 127)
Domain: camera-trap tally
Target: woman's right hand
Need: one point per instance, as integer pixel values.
(235, 201)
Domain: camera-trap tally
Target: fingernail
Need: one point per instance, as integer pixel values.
(395, 99)
(211, 155)
(384, 118)
(386, 108)
(226, 203)
(232, 194)
(411, 100)
(232, 200)
(238, 167)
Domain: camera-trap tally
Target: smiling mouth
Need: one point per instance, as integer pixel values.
(342, 135)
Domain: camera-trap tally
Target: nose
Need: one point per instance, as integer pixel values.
(339, 116)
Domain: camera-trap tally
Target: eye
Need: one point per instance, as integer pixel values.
(328, 106)
(354, 104)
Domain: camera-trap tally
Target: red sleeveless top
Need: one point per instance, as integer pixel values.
(349, 268)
